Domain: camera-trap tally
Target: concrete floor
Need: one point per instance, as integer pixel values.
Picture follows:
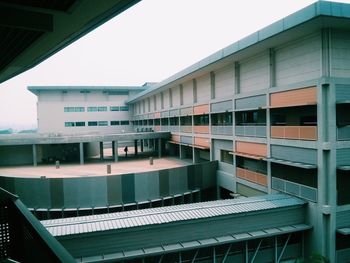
(92, 169)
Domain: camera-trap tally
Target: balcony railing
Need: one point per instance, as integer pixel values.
(300, 190)
(251, 176)
(222, 130)
(201, 129)
(186, 128)
(164, 128)
(251, 130)
(174, 128)
(343, 133)
(294, 132)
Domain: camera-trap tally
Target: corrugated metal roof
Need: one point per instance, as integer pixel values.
(166, 215)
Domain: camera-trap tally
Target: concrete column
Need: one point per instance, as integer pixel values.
(115, 150)
(141, 144)
(159, 147)
(81, 152)
(35, 162)
(194, 155)
(101, 151)
(155, 144)
(135, 145)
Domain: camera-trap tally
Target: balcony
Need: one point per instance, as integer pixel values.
(299, 190)
(164, 128)
(294, 132)
(174, 128)
(250, 130)
(201, 129)
(251, 176)
(222, 130)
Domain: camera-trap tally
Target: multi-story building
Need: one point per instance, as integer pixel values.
(84, 109)
(273, 109)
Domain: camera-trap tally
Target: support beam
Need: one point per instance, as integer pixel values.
(159, 147)
(115, 151)
(283, 249)
(12, 17)
(226, 254)
(35, 162)
(101, 151)
(256, 251)
(81, 152)
(195, 256)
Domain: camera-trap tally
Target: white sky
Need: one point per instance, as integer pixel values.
(149, 42)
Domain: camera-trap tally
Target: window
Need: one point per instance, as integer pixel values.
(174, 121)
(91, 109)
(124, 122)
(74, 109)
(221, 119)
(114, 123)
(165, 121)
(80, 123)
(103, 108)
(69, 124)
(102, 123)
(92, 123)
(124, 108)
(157, 122)
(114, 108)
(226, 156)
(201, 119)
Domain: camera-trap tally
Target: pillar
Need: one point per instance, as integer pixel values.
(81, 152)
(115, 150)
(181, 151)
(135, 145)
(35, 162)
(159, 147)
(101, 151)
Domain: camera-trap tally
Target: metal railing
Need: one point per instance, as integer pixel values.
(251, 130)
(299, 190)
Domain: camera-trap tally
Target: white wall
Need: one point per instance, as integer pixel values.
(203, 88)
(224, 82)
(188, 92)
(299, 60)
(176, 96)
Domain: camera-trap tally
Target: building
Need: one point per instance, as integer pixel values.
(84, 109)
(272, 108)
(272, 111)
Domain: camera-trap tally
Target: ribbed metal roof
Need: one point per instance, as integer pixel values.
(169, 214)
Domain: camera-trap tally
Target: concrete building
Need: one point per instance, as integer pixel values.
(84, 109)
(272, 108)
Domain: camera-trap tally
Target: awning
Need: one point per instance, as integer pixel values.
(295, 164)
(344, 231)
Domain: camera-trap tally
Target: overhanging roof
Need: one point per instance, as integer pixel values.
(305, 21)
(31, 31)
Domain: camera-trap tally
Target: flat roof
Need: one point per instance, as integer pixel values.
(319, 9)
(168, 214)
(37, 89)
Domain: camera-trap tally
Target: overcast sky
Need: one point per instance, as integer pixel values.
(149, 42)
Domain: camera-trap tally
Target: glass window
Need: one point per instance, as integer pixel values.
(103, 108)
(226, 156)
(124, 122)
(80, 123)
(114, 108)
(124, 108)
(79, 109)
(102, 123)
(90, 109)
(69, 124)
(68, 109)
(165, 121)
(113, 123)
(92, 123)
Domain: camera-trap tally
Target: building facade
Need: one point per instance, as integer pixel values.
(84, 109)
(273, 109)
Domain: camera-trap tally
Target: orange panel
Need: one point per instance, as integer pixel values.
(291, 132)
(261, 179)
(201, 109)
(299, 97)
(157, 128)
(204, 142)
(277, 132)
(308, 133)
(156, 115)
(240, 173)
(257, 149)
(175, 138)
(251, 176)
(201, 129)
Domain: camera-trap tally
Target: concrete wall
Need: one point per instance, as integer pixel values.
(188, 92)
(102, 191)
(340, 53)
(224, 82)
(23, 153)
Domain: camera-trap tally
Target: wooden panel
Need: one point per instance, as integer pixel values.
(204, 142)
(294, 132)
(201, 109)
(250, 148)
(201, 129)
(298, 97)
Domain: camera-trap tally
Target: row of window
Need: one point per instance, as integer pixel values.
(95, 123)
(96, 108)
